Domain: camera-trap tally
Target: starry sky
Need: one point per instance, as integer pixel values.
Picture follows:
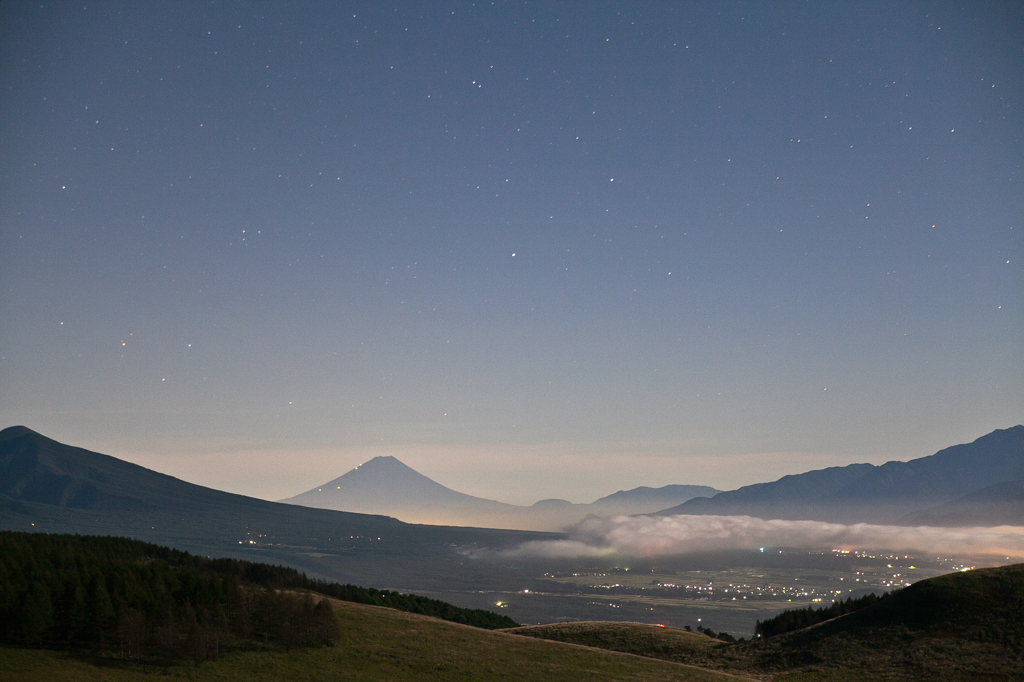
(533, 249)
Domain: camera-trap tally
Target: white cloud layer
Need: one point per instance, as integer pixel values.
(649, 536)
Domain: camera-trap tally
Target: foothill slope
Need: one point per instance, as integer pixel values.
(960, 626)
(380, 644)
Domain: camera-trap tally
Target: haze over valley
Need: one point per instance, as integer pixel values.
(689, 565)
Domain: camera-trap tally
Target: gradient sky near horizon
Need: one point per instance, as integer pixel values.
(533, 249)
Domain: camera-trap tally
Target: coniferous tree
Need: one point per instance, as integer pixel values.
(141, 600)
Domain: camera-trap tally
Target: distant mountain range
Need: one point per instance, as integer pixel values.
(384, 485)
(63, 488)
(46, 486)
(994, 505)
(978, 483)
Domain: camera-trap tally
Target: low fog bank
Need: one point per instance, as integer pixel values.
(650, 536)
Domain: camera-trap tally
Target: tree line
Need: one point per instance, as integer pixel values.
(795, 619)
(412, 603)
(723, 635)
(146, 602)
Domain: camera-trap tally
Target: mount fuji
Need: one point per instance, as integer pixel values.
(384, 485)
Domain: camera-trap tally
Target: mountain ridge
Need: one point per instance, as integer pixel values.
(990, 506)
(646, 493)
(886, 493)
(385, 485)
(41, 484)
(41, 470)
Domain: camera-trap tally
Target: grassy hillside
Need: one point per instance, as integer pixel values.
(152, 603)
(377, 643)
(984, 605)
(797, 619)
(668, 644)
(961, 626)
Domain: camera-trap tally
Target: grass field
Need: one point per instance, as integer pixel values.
(883, 654)
(668, 644)
(962, 626)
(378, 644)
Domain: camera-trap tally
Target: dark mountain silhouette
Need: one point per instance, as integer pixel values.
(959, 626)
(888, 493)
(384, 485)
(1001, 504)
(644, 496)
(988, 602)
(36, 469)
(46, 486)
(552, 503)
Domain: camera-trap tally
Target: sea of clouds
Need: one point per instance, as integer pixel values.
(649, 536)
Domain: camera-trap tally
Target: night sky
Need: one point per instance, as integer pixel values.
(532, 249)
